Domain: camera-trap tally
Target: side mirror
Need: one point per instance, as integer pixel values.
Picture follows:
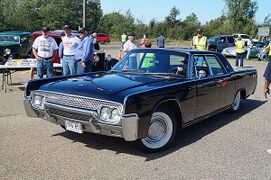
(201, 74)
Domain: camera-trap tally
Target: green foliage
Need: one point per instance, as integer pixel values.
(30, 15)
(116, 23)
(241, 13)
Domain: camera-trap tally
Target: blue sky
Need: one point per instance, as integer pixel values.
(158, 9)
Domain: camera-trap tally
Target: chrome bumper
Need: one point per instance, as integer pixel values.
(128, 129)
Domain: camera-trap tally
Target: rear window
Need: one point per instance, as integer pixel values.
(213, 39)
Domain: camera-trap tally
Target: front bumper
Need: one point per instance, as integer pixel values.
(129, 129)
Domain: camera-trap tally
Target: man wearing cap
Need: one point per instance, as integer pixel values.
(44, 49)
(70, 43)
(129, 44)
(84, 53)
(199, 42)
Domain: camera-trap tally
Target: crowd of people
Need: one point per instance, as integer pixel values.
(76, 53)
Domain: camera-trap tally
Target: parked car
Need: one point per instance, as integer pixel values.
(145, 97)
(14, 44)
(254, 51)
(244, 37)
(220, 42)
(103, 38)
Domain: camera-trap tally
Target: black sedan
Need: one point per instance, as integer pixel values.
(145, 97)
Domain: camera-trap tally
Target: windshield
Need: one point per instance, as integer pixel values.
(154, 62)
(13, 39)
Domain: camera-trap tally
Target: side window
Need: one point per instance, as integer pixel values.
(178, 65)
(215, 65)
(222, 40)
(201, 69)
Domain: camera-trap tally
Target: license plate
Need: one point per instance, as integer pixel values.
(74, 127)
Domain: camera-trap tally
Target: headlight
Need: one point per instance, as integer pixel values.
(105, 113)
(7, 51)
(116, 115)
(38, 101)
(110, 115)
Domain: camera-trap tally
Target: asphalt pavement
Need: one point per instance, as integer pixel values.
(226, 146)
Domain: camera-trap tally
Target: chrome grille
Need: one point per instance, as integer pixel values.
(70, 115)
(78, 101)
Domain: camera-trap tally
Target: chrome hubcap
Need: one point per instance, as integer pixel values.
(156, 130)
(160, 131)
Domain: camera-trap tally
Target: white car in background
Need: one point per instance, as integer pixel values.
(254, 51)
(244, 37)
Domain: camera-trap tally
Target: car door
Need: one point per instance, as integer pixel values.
(207, 96)
(225, 81)
(230, 41)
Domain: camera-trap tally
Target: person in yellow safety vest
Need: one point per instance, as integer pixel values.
(199, 42)
(240, 51)
(267, 73)
(147, 61)
(123, 39)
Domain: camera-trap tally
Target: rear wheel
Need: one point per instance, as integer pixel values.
(161, 131)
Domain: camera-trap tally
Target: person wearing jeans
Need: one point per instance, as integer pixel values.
(70, 43)
(44, 49)
(84, 53)
(45, 66)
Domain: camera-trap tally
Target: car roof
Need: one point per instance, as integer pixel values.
(221, 36)
(185, 51)
(15, 33)
(54, 34)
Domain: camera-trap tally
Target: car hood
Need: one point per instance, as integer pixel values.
(99, 85)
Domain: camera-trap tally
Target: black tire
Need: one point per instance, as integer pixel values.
(162, 120)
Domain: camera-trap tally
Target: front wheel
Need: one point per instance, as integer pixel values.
(161, 131)
(236, 102)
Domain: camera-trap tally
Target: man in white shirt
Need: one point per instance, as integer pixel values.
(129, 44)
(70, 43)
(44, 49)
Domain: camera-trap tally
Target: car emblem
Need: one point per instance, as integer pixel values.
(81, 85)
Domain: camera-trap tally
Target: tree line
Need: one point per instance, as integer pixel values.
(29, 15)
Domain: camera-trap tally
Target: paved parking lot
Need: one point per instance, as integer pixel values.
(227, 146)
